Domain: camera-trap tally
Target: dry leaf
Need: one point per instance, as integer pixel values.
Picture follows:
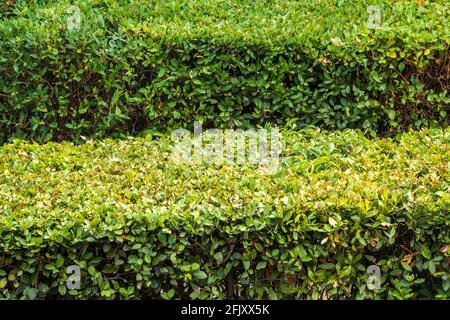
(408, 258)
(374, 241)
(336, 41)
(332, 221)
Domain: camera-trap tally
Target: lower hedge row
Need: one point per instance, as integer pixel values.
(139, 225)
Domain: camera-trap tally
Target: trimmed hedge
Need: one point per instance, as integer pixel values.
(141, 226)
(153, 65)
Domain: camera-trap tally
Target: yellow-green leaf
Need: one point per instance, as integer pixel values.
(391, 54)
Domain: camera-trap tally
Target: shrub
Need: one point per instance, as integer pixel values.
(160, 65)
(141, 226)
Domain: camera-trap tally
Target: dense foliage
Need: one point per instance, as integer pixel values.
(141, 226)
(157, 65)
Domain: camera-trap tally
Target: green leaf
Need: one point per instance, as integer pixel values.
(161, 72)
(32, 293)
(328, 266)
(3, 283)
(391, 114)
(200, 274)
(111, 269)
(115, 97)
(432, 267)
(62, 289)
(59, 262)
(261, 265)
(425, 252)
(446, 284)
(219, 257)
(168, 295)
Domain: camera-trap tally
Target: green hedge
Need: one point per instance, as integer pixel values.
(141, 226)
(157, 65)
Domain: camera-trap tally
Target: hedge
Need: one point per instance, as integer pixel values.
(147, 66)
(141, 226)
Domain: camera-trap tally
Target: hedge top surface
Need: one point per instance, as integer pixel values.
(44, 188)
(266, 22)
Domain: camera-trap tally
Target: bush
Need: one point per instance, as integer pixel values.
(160, 65)
(141, 226)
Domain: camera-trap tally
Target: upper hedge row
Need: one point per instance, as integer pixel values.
(140, 225)
(135, 65)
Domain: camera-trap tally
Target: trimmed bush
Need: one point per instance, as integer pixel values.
(141, 226)
(152, 65)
